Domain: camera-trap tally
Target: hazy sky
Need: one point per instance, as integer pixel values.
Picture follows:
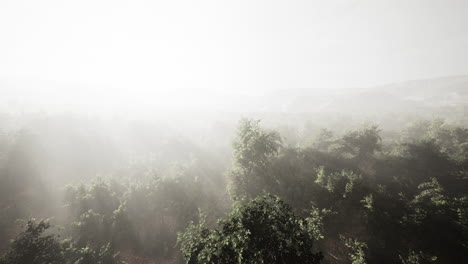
(143, 48)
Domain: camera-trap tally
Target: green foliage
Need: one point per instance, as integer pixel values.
(33, 247)
(392, 191)
(264, 230)
(462, 210)
(341, 183)
(451, 139)
(430, 201)
(123, 231)
(358, 250)
(417, 258)
(93, 208)
(325, 139)
(87, 255)
(141, 215)
(254, 145)
(315, 222)
(432, 193)
(368, 202)
(362, 143)
(253, 149)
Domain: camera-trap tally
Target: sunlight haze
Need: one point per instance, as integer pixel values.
(160, 52)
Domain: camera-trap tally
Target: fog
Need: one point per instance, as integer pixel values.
(233, 132)
(109, 55)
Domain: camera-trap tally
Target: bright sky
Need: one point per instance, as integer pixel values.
(141, 49)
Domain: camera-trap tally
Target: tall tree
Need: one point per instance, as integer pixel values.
(264, 230)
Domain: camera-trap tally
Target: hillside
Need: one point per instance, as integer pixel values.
(419, 95)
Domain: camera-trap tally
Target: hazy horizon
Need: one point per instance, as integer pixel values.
(114, 53)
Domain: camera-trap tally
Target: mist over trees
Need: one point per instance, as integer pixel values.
(259, 187)
(232, 132)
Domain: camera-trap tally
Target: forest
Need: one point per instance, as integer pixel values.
(234, 132)
(266, 188)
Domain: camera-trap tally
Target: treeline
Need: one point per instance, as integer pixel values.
(363, 196)
(395, 200)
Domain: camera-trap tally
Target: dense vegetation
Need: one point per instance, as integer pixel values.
(288, 195)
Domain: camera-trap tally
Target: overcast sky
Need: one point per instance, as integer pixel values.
(169, 47)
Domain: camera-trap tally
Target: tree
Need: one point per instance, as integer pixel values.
(358, 254)
(361, 144)
(253, 149)
(324, 140)
(33, 247)
(264, 230)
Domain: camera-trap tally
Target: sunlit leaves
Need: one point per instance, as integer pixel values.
(263, 230)
(358, 250)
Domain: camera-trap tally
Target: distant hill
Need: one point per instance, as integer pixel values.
(418, 95)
